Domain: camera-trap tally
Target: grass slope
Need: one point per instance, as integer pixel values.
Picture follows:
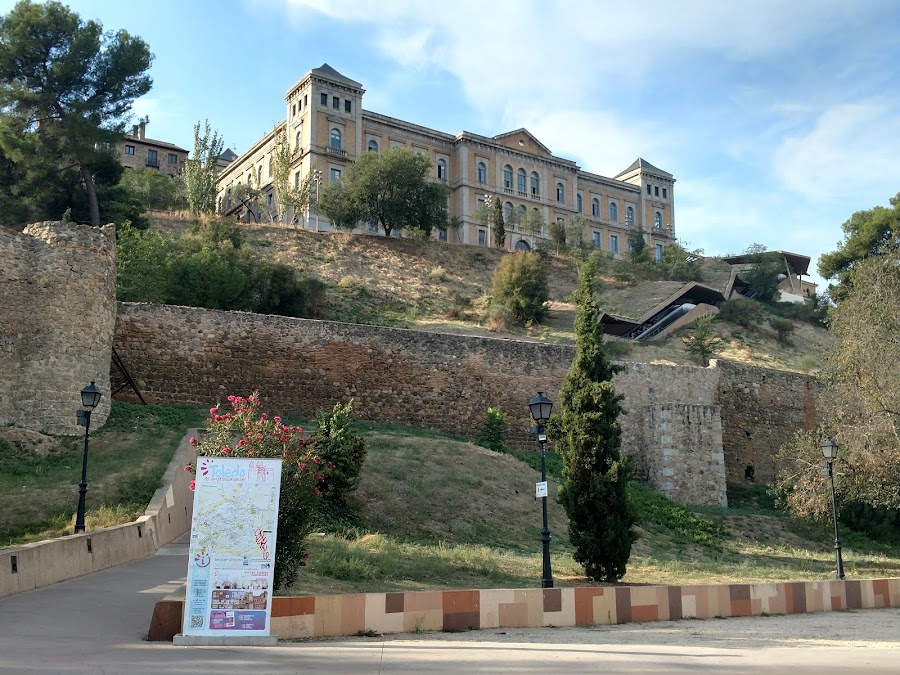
(408, 283)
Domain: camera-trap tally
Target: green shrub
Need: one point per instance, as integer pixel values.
(744, 312)
(437, 274)
(343, 450)
(493, 429)
(499, 319)
(457, 305)
(520, 284)
(617, 349)
(783, 329)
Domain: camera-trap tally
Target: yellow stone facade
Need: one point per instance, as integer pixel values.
(328, 129)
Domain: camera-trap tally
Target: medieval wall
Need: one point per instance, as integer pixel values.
(57, 315)
(431, 380)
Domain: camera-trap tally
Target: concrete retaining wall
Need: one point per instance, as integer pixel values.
(167, 517)
(337, 615)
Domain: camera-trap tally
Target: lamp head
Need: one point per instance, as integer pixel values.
(540, 407)
(829, 448)
(90, 396)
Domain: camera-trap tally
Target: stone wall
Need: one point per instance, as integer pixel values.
(439, 381)
(684, 452)
(57, 315)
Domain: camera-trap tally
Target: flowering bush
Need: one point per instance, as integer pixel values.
(246, 432)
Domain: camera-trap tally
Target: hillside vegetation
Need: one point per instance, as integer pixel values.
(422, 284)
(437, 512)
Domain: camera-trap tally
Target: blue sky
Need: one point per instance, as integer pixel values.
(778, 119)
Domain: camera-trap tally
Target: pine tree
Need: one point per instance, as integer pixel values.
(588, 436)
(499, 225)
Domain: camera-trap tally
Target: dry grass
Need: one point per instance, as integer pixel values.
(408, 283)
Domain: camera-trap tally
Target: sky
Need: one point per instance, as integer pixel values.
(778, 119)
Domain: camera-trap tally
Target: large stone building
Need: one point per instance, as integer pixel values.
(136, 151)
(328, 129)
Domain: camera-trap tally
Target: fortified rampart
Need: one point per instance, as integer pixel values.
(728, 413)
(57, 313)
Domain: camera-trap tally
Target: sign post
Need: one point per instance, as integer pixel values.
(231, 562)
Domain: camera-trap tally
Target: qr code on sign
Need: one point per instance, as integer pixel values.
(196, 621)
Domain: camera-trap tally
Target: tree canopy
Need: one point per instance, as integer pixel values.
(66, 90)
(860, 402)
(587, 434)
(390, 188)
(867, 233)
(199, 171)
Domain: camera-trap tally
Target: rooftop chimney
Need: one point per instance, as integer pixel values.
(142, 129)
(134, 131)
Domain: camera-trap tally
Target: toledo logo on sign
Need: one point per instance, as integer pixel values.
(210, 470)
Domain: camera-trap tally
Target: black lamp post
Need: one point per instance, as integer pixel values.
(90, 397)
(540, 407)
(829, 448)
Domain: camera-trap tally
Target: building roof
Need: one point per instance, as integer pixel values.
(525, 132)
(643, 165)
(628, 308)
(799, 264)
(328, 72)
(228, 155)
(150, 141)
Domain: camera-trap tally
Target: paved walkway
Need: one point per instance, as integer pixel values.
(98, 624)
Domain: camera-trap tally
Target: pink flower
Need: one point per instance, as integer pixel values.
(259, 436)
(193, 441)
(187, 468)
(306, 555)
(213, 410)
(193, 485)
(302, 466)
(318, 493)
(231, 399)
(226, 450)
(298, 430)
(318, 476)
(217, 418)
(241, 443)
(263, 416)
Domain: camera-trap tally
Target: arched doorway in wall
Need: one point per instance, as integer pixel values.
(522, 245)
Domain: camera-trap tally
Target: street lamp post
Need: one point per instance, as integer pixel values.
(317, 178)
(90, 397)
(829, 448)
(540, 407)
(489, 205)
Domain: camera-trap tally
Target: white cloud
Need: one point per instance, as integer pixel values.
(851, 149)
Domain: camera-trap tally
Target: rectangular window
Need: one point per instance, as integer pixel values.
(595, 239)
(324, 98)
(152, 158)
(347, 105)
(442, 234)
(297, 181)
(665, 194)
(305, 99)
(659, 251)
(482, 237)
(649, 190)
(173, 158)
(335, 175)
(614, 243)
(656, 190)
(335, 103)
(270, 199)
(373, 226)
(129, 149)
(479, 203)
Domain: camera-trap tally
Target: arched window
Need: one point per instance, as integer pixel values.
(657, 220)
(336, 139)
(522, 245)
(578, 201)
(560, 192)
(522, 211)
(297, 140)
(270, 166)
(482, 172)
(613, 212)
(442, 169)
(228, 198)
(595, 207)
(373, 145)
(507, 177)
(259, 175)
(507, 210)
(521, 180)
(535, 184)
(629, 215)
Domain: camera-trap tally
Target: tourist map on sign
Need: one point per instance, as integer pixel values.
(229, 518)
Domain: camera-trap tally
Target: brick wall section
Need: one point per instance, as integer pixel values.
(57, 314)
(430, 380)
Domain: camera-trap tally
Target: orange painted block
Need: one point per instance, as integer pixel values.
(584, 605)
(456, 602)
(353, 614)
(640, 613)
(513, 615)
(423, 601)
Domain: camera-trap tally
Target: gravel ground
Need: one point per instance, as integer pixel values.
(850, 629)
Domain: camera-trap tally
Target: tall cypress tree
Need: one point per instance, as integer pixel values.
(499, 225)
(588, 436)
